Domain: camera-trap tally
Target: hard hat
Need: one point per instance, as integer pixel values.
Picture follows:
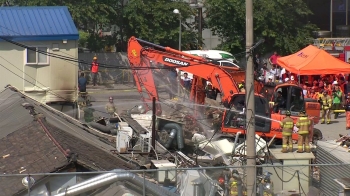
(302, 112)
(335, 83)
(286, 79)
(95, 58)
(292, 78)
(288, 113)
(271, 77)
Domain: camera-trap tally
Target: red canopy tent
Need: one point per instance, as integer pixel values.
(313, 61)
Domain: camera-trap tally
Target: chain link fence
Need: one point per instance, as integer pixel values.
(107, 76)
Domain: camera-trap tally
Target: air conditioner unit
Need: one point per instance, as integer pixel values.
(145, 142)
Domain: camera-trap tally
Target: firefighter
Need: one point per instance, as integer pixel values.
(110, 107)
(326, 102)
(94, 70)
(241, 86)
(303, 123)
(287, 130)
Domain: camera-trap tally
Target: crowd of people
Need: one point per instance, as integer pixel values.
(331, 91)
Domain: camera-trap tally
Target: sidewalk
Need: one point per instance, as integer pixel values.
(110, 87)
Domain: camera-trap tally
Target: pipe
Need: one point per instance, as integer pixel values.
(180, 138)
(52, 138)
(172, 135)
(154, 125)
(115, 175)
(234, 144)
(100, 127)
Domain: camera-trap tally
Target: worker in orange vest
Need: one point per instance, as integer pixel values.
(94, 70)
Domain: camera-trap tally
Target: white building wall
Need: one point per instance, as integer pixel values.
(55, 81)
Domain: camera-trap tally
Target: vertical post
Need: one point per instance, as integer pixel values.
(154, 124)
(331, 18)
(180, 32)
(200, 13)
(346, 11)
(144, 182)
(250, 102)
(179, 72)
(29, 184)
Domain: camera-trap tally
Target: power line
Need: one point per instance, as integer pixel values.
(100, 64)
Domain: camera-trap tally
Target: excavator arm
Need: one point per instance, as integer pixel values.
(142, 55)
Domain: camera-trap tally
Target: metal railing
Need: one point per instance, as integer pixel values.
(297, 178)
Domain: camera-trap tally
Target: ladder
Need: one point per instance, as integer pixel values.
(331, 43)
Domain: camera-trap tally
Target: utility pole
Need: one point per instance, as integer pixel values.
(250, 102)
(200, 13)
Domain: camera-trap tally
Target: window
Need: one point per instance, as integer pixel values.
(35, 56)
(226, 64)
(226, 56)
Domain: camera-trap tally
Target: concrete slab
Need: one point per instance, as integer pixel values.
(290, 155)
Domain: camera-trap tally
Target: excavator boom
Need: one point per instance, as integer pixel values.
(142, 57)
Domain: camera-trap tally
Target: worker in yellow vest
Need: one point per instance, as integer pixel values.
(303, 123)
(326, 102)
(287, 130)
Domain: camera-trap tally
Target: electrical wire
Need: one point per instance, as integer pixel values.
(104, 65)
(300, 187)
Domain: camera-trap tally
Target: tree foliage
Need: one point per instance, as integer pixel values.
(155, 21)
(151, 20)
(282, 23)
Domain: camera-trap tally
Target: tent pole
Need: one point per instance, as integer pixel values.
(331, 18)
(346, 11)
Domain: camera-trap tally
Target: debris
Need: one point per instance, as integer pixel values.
(23, 170)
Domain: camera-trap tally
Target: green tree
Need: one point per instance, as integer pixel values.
(154, 21)
(282, 23)
(83, 38)
(86, 13)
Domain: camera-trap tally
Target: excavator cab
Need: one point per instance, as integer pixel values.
(235, 116)
(290, 97)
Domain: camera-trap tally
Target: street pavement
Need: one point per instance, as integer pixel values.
(126, 96)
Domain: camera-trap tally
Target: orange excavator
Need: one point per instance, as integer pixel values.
(146, 58)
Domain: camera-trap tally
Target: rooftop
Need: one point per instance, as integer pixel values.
(37, 23)
(47, 142)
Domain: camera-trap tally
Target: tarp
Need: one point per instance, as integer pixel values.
(313, 61)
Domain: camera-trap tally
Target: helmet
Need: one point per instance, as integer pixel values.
(95, 58)
(288, 113)
(303, 112)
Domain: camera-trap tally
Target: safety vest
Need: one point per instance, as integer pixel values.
(303, 124)
(326, 101)
(287, 126)
(94, 67)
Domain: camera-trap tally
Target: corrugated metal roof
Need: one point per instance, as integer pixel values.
(37, 23)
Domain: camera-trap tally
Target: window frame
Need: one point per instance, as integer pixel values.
(37, 55)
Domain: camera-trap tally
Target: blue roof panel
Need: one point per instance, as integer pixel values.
(36, 23)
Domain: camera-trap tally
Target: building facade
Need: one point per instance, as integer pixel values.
(38, 47)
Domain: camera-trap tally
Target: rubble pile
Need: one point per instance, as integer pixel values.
(344, 141)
